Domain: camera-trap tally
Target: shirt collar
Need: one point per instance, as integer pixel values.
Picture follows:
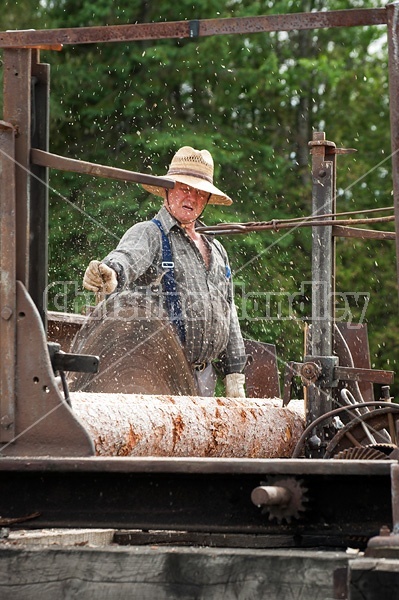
(168, 221)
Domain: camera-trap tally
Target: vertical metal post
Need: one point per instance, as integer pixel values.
(17, 111)
(393, 55)
(323, 279)
(7, 283)
(38, 251)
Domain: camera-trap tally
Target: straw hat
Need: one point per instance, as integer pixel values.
(195, 168)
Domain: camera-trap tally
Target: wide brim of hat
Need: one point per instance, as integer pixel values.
(217, 197)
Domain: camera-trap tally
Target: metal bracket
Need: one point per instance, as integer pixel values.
(326, 367)
(62, 361)
(194, 28)
(324, 372)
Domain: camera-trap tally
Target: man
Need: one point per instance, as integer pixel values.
(193, 270)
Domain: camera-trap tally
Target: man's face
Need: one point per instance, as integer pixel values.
(186, 203)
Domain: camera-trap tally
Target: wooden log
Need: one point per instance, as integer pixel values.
(148, 425)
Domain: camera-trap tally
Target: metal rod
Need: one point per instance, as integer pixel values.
(270, 495)
(46, 159)
(276, 225)
(38, 250)
(362, 234)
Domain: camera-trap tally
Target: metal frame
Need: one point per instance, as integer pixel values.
(33, 412)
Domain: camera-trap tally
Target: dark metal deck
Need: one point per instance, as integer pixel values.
(346, 502)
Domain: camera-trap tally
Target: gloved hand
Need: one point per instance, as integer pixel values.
(234, 384)
(99, 277)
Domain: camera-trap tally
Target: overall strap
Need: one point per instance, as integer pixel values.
(169, 286)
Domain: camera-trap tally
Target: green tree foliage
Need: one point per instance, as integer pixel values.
(254, 101)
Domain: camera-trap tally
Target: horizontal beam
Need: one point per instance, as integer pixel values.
(358, 374)
(194, 495)
(363, 234)
(53, 161)
(193, 29)
(205, 466)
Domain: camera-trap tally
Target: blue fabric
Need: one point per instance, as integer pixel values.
(169, 286)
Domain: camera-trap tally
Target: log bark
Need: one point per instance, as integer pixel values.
(190, 426)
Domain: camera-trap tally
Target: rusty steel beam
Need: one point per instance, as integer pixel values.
(197, 494)
(7, 287)
(38, 216)
(363, 234)
(53, 161)
(323, 277)
(193, 28)
(17, 111)
(150, 425)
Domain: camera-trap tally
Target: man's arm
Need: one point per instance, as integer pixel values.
(133, 256)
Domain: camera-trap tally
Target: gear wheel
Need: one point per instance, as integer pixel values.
(377, 422)
(292, 509)
(360, 453)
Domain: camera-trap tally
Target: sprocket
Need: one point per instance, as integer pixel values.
(296, 504)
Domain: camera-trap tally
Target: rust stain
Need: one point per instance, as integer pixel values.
(288, 434)
(132, 441)
(220, 402)
(178, 427)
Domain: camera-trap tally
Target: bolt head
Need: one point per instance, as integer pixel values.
(6, 313)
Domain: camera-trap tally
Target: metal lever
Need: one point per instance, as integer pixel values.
(62, 361)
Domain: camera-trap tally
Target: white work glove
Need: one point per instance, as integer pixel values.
(99, 277)
(234, 384)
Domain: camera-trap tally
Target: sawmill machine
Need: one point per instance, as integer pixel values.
(51, 473)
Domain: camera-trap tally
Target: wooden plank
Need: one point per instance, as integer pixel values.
(374, 579)
(62, 537)
(170, 573)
